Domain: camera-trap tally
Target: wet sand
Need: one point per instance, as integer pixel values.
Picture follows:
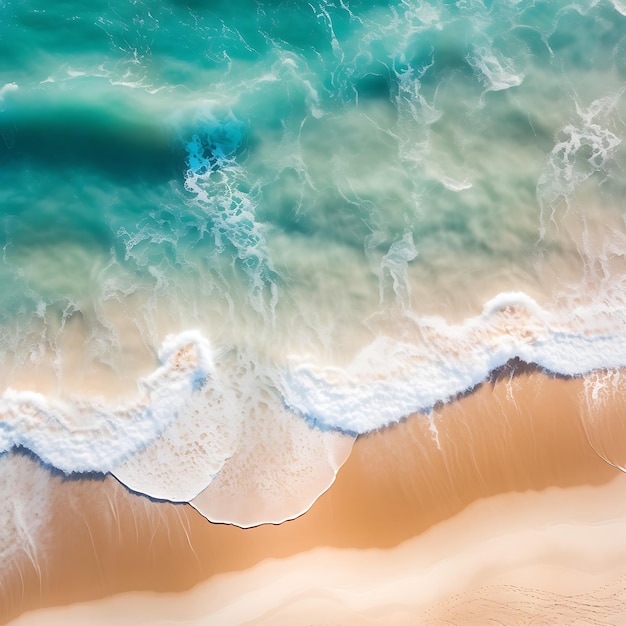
(513, 470)
(550, 557)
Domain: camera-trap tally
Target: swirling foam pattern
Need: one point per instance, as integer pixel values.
(293, 214)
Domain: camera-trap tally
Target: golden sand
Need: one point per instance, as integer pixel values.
(480, 500)
(550, 557)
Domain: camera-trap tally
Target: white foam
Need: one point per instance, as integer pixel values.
(604, 394)
(216, 434)
(279, 467)
(86, 435)
(8, 87)
(292, 72)
(392, 269)
(588, 146)
(455, 185)
(191, 450)
(392, 378)
(236, 453)
(278, 464)
(229, 434)
(218, 182)
(5, 89)
(24, 513)
(619, 6)
(229, 437)
(497, 73)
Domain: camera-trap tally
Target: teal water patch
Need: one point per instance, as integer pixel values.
(239, 146)
(98, 133)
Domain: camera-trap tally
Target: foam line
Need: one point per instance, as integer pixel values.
(392, 378)
(88, 436)
(229, 436)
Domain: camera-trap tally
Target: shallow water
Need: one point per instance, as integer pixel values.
(236, 237)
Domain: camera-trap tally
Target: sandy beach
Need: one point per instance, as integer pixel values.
(495, 507)
(351, 275)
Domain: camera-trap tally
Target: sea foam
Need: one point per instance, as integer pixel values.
(196, 421)
(89, 436)
(339, 157)
(279, 466)
(24, 514)
(248, 442)
(588, 146)
(218, 184)
(392, 378)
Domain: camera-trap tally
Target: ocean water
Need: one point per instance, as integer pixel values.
(237, 235)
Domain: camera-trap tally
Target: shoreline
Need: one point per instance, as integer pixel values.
(564, 561)
(511, 436)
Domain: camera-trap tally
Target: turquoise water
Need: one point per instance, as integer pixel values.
(307, 220)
